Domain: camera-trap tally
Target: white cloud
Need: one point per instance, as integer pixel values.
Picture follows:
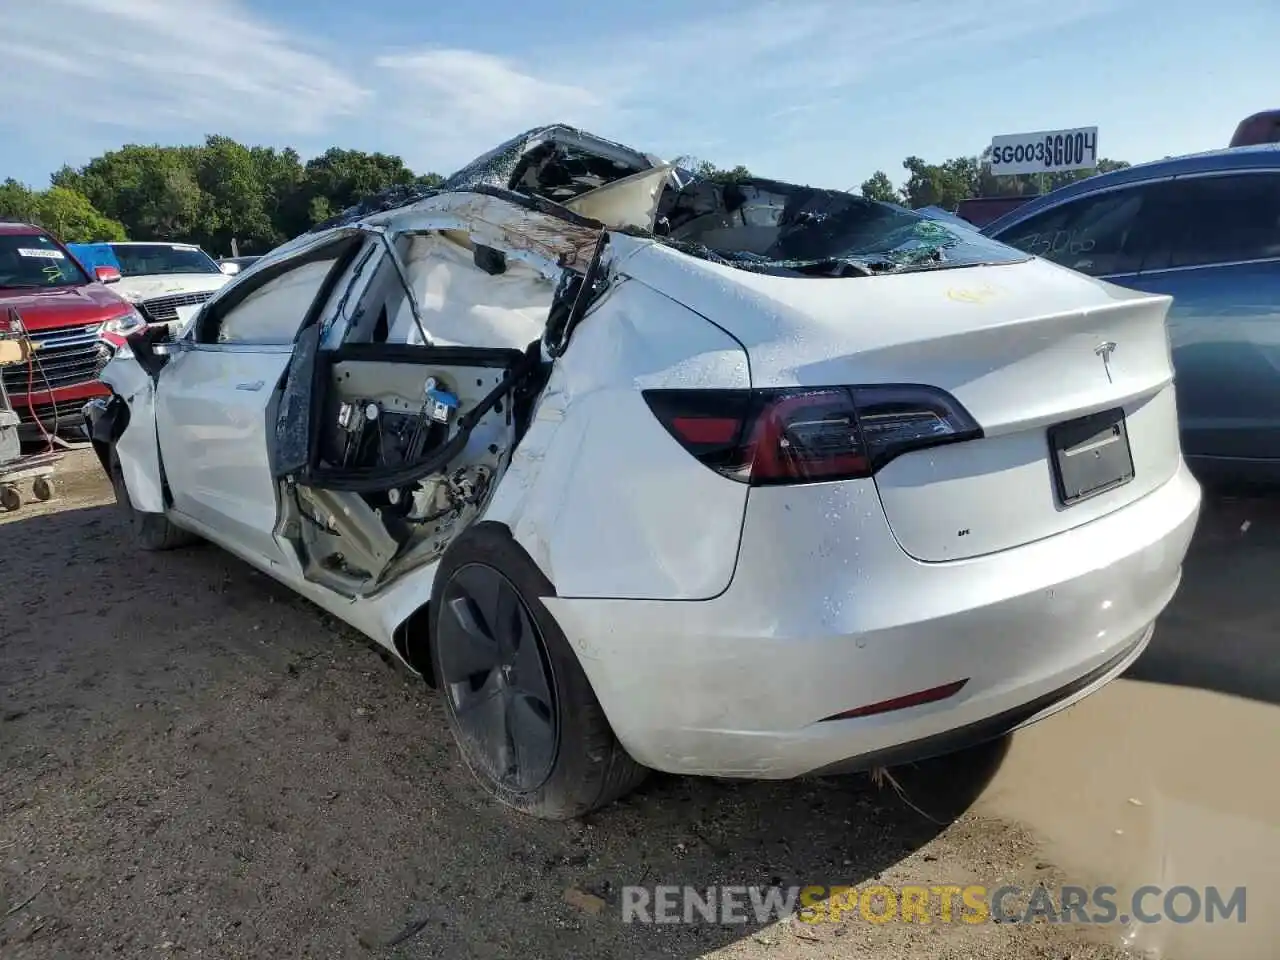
(778, 81)
(782, 67)
(464, 102)
(148, 67)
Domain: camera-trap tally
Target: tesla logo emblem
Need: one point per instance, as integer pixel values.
(979, 295)
(1105, 350)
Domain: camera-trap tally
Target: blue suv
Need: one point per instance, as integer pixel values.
(1206, 230)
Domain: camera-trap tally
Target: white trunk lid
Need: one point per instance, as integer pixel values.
(1019, 345)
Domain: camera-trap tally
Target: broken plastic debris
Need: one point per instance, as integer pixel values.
(587, 902)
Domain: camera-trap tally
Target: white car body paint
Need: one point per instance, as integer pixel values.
(135, 289)
(673, 525)
(721, 625)
(136, 446)
(211, 418)
(1015, 344)
(141, 289)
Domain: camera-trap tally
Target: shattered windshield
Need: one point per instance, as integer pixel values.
(774, 227)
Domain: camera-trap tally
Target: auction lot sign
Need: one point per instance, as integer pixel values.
(1048, 151)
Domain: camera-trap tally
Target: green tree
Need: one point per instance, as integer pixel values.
(152, 190)
(64, 212)
(960, 178)
(221, 190)
(878, 186)
(17, 201)
(281, 174)
(940, 184)
(70, 217)
(734, 175)
(1030, 184)
(319, 210)
(707, 169)
(345, 177)
(233, 199)
(169, 204)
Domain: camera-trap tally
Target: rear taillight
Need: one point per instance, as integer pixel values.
(809, 434)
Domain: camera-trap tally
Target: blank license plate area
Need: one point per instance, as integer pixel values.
(1090, 455)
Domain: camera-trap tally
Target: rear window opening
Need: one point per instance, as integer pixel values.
(768, 226)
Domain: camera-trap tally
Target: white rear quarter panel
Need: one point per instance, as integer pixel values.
(598, 493)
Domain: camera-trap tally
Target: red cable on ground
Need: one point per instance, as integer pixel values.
(18, 327)
(31, 408)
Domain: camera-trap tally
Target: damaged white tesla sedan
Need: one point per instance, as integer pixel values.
(648, 471)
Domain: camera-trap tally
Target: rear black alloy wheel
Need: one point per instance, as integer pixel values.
(518, 702)
(498, 680)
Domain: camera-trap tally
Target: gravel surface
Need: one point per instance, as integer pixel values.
(197, 762)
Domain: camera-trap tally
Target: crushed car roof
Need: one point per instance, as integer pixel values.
(553, 164)
(751, 223)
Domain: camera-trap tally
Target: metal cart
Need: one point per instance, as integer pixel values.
(17, 348)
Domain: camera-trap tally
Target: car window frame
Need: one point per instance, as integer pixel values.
(1172, 223)
(1150, 213)
(208, 322)
(343, 319)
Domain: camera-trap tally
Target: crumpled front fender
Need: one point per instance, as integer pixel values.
(128, 420)
(102, 417)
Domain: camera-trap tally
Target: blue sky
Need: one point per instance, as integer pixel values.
(816, 91)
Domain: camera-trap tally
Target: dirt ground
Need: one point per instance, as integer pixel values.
(197, 762)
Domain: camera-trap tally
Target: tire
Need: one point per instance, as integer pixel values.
(151, 531)
(42, 489)
(10, 499)
(582, 767)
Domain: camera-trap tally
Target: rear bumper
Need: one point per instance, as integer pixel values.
(997, 725)
(739, 685)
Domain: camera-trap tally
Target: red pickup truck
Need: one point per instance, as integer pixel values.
(66, 312)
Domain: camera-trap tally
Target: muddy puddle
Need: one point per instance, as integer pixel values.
(1147, 784)
(1171, 776)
